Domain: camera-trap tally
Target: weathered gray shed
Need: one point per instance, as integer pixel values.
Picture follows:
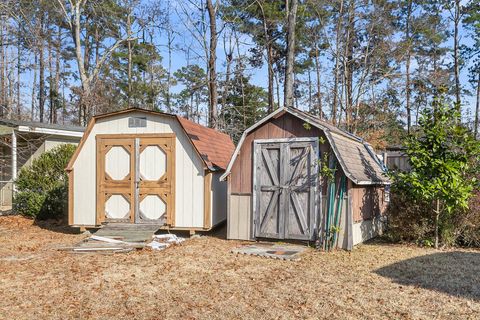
(276, 189)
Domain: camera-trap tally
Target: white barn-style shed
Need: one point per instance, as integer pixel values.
(146, 167)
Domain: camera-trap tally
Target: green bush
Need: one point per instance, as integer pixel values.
(42, 187)
(410, 220)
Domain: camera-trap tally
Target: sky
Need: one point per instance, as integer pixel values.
(184, 37)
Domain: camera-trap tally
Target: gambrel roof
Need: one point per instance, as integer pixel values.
(214, 147)
(356, 157)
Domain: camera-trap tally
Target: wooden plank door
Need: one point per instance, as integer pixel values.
(268, 188)
(155, 179)
(136, 178)
(115, 177)
(285, 181)
(301, 179)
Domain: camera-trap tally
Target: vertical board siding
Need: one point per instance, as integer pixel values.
(367, 202)
(239, 220)
(189, 170)
(286, 126)
(239, 226)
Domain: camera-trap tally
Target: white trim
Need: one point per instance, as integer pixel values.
(244, 135)
(57, 132)
(283, 140)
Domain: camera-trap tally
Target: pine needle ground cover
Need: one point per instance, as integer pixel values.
(201, 279)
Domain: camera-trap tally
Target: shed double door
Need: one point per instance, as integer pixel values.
(285, 183)
(135, 178)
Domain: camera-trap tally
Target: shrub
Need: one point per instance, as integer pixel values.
(442, 179)
(42, 187)
(410, 220)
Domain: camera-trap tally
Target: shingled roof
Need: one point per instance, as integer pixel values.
(214, 147)
(356, 157)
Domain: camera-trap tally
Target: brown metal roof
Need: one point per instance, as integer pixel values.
(214, 147)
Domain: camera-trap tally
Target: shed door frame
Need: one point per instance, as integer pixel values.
(284, 143)
(135, 144)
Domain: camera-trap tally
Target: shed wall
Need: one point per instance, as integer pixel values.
(219, 199)
(239, 221)
(368, 207)
(240, 180)
(189, 170)
(285, 126)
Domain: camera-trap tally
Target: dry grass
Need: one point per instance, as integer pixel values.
(201, 279)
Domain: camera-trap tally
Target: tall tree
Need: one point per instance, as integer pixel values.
(212, 64)
(74, 16)
(290, 63)
(472, 53)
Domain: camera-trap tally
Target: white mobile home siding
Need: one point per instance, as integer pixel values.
(189, 170)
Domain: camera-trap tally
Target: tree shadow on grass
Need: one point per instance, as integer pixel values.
(455, 273)
(59, 226)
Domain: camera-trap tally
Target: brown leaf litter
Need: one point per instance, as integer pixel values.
(202, 279)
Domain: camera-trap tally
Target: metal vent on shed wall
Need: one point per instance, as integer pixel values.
(137, 122)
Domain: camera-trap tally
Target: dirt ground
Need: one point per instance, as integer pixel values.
(201, 279)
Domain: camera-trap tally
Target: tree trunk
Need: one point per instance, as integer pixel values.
(269, 49)
(41, 88)
(169, 71)
(57, 75)
(477, 105)
(19, 73)
(290, 59)
(34, 86)
(212, 61)
(437, 222)
(319, 92)
(50, 78)
(3, 91)
(226, 85)
(456, 22)
(129, 64)
(348, 70)
(407, 67)
(336, 70)
(310, 100)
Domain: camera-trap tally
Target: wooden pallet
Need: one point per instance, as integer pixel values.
(129, 237)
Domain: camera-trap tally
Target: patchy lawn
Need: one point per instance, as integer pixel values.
(202, 279)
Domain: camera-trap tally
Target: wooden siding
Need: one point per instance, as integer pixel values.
(286, 126)
(240, 218)
(189, 169)
(367, 202)
(397, 160)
